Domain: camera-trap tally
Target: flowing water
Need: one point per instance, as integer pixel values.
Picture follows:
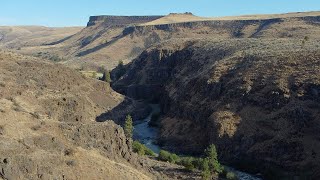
(148, 135)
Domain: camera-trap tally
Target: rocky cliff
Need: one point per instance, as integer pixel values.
(120, 20)
(253, 28)
(257, 100)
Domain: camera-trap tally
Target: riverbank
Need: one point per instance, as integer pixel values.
(148, 136)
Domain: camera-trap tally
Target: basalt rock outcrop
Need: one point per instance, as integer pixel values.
(120, 20)
(257, 100)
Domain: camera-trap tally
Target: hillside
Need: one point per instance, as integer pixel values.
(109, 45)
(16, 37)
(248, 84)
(100, 45)
(48, 128)
(189, 17)
(108, 39)
(257, 100)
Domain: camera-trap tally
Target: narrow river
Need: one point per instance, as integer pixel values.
(148, 136)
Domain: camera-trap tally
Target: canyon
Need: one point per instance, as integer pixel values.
(256, 100)
(248, 84)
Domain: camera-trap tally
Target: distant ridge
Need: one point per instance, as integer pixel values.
(120, 20)
(189, 17)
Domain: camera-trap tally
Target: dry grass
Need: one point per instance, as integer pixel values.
(181, 18)
(97, 46)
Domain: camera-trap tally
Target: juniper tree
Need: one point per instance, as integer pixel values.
(128, 127)
(106, 76)
(212, 156)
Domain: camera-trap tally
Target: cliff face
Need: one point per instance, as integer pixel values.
(120, 20)
(257, 100)
(293, 27)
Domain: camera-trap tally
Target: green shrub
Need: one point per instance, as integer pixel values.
(167, 156)
(164, 155)
(138, 148)
(231, 176)
(148, 151)
(198, 163)
(207, 165)
(206, 174)
(188, 163)
(142, 149)
(173, 158)
(205, 169)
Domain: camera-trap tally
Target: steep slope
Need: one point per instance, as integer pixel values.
(48, 127)
(102, 42)
(256, 99)
(47, 124)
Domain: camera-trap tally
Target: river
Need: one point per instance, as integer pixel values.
(147, 135)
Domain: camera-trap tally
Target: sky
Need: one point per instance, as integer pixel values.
(59, 13)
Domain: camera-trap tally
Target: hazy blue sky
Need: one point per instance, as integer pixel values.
(77, 12)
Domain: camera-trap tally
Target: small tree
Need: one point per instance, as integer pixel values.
(212, 156)
(128, 127)
(121, 70)
(106, 76)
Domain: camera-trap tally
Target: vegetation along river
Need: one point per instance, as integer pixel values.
(147, 135)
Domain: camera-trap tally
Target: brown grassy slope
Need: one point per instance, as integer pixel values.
(47, 124)
(256, 99)
(48, 127)
(24, 36)
(186, 17)
(116, 44)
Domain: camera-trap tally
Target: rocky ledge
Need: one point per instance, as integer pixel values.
(120, 20)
